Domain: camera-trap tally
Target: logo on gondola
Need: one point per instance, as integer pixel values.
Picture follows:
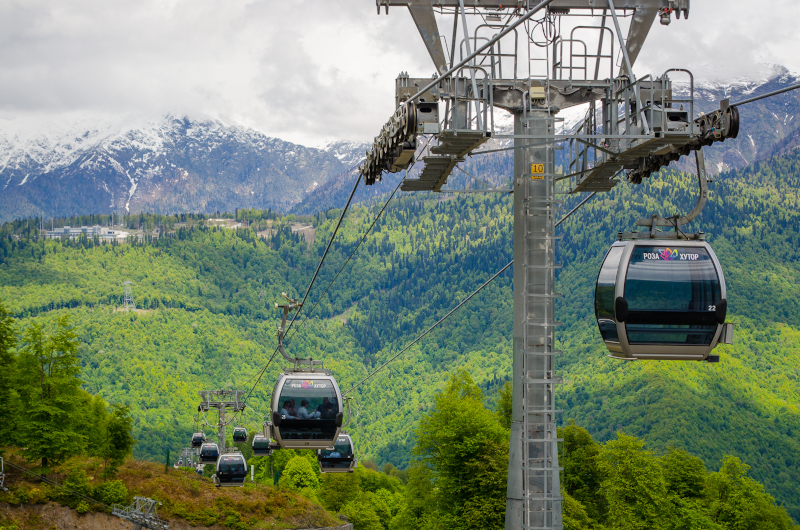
(669, 254)
(307, 384)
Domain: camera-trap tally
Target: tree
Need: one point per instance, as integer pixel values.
(50, 391)
(467, 448)
(8, 375)
(685, 473)
(361, 513)
(298, 474)
(740, 503)
(504, 405)
(337, 489)
(119, 440)
(581, 478)
(633, 484)
(95, 418)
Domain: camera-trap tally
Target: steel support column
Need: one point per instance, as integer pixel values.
(533, 497)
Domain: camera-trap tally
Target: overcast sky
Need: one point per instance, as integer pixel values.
(301, 70)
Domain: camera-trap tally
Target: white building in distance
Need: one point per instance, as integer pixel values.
(102, 232)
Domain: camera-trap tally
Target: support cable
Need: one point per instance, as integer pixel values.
(767, 95)
(308, 314)
(324, 254)
(310, 286)
(56, 484)
(456, 308)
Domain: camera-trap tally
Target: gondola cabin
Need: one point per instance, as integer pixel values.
(306, 410)
(209, 452)
(340, 459)
(261, 445)
(231, 470)
(239, 434)
(661, 300)
(198, 439)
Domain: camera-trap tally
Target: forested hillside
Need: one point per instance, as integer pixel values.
(206, 319)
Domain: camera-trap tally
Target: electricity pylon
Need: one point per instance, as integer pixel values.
(128, 302)
(516, 58)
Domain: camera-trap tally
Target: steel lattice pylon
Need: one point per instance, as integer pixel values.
(128, 302)
(534, 493)
(631, 126)
(142, 513)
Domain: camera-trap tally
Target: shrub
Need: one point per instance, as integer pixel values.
(112, 492)
(83, 507)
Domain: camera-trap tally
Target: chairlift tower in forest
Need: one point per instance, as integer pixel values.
(534, 58)
(128, 302)
(222, 400)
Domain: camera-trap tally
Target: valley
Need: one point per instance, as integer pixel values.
(209, 324)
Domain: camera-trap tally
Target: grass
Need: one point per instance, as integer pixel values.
(182, 493)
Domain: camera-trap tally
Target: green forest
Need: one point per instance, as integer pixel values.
(205, 320)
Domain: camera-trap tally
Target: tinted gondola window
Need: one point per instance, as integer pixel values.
(672, 293)
(232, 465)
(308, 399)
(341, 447)
(604, 294)
(260, 442)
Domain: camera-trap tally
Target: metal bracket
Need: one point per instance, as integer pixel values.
(676, 222)
(292, 304)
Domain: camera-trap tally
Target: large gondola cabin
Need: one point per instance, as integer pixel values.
(661, 300)
(306, 410)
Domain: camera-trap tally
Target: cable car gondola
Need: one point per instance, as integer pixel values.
(340, 459)
(661, 300)
(306, 409)
(198, 439)
(239, 434)
(261, 445)
(209, 452)
(231, 470)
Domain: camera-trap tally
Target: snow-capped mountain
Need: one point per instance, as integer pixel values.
(124, 164)
(169, 165)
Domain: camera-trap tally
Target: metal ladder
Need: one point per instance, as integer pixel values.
(541, 484)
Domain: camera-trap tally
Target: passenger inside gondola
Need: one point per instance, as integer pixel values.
(329, 413)
(323, 405)
(342, 452)
(286, 411)
(303, 413)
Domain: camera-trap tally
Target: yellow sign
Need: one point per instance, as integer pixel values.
(536, 171)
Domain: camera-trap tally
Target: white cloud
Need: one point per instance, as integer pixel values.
(302, 70)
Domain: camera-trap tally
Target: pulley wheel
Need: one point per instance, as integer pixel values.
(732, 115)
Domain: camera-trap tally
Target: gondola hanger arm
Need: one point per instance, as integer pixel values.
(676, 222)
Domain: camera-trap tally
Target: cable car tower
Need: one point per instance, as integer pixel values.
(534, 58)
(222, 400)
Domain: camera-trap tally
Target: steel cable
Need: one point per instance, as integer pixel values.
(56, 484)
(300, 325)
(467, 299)
(325, 254)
